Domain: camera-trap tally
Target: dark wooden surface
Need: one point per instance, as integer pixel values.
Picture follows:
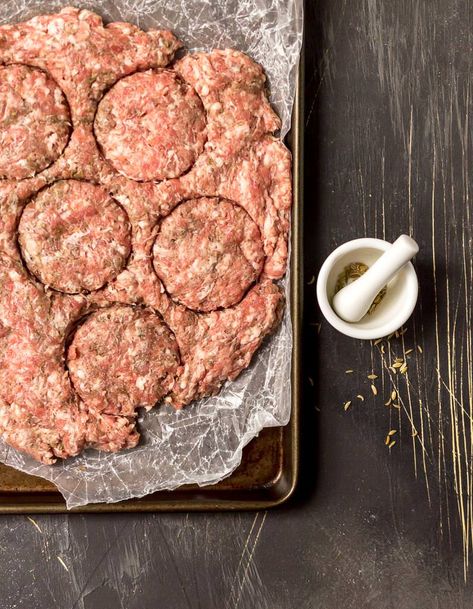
(388, 150)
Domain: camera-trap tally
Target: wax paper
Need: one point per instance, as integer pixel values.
(202, 443)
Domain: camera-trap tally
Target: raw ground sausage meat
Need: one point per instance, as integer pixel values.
(208, 253)
(34, 121)
(219, 345)
(82, 55)
(258, 177)
(39, 412)
(123, 357)
(152, 203)
(74, 237)
(151, 125)
(232, 88)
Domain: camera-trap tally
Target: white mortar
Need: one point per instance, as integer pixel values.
(394, 309)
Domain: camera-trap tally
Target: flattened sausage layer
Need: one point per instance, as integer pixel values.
(165, 271)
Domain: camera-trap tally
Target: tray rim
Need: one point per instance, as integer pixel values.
(40, 505)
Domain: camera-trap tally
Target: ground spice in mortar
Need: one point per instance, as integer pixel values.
(351, 273)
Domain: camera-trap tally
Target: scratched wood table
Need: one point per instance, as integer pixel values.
(389, 113)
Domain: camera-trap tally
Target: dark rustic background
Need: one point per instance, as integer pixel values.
(388, 150)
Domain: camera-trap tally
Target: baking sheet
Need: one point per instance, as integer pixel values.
(203, 443)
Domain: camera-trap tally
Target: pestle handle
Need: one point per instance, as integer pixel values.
(353, 301)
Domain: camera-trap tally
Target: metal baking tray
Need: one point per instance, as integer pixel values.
(267, 475)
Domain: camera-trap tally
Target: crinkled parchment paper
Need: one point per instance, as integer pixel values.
(202, 443)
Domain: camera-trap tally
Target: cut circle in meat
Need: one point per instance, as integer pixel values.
(151, 125)
(35, 122)
(74, 237)
(123, 357)
(208, 252)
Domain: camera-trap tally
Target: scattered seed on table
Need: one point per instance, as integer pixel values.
(360, 397)
(397, 406)
(348, 371)
(392, 444)
(392, 432)
(419, 348)
(35, 524)
(346, 406)
(312, 280)
(372, 376)
(393, 394)
(374, 390)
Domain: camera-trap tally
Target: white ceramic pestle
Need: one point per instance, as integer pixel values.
(353, 301)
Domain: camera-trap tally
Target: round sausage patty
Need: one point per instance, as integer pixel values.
(123, 357)
(151, 125)
(74, 237)
(35, 122)
(208, 252)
